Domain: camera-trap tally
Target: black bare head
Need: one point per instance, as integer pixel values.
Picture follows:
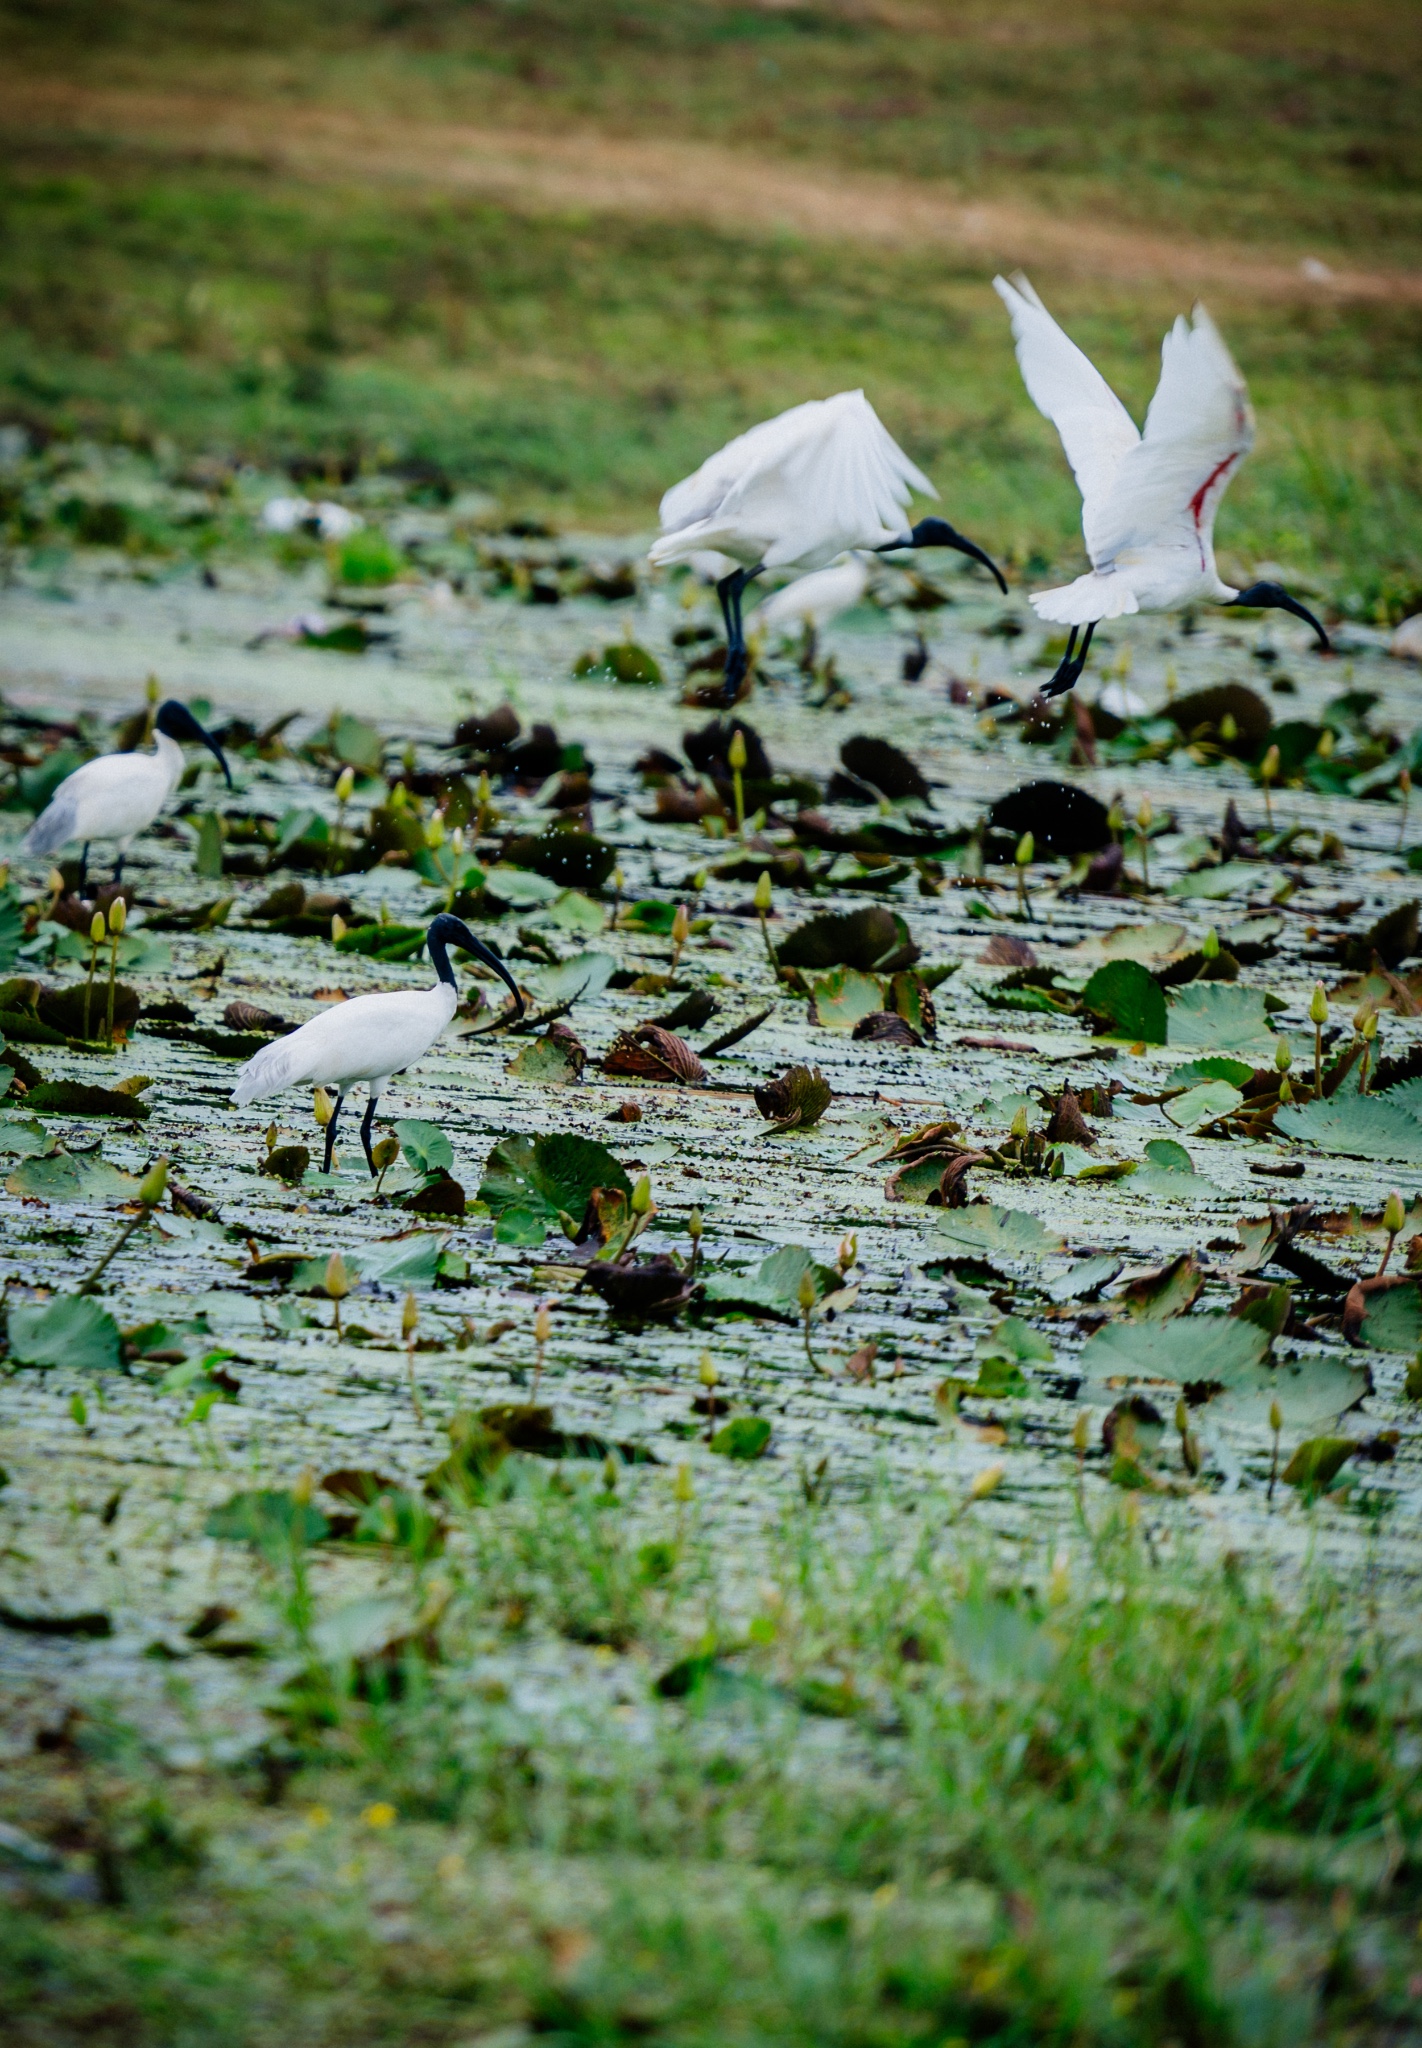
(1272, 597)
(447, 931)
(176, 722)
(937, 533)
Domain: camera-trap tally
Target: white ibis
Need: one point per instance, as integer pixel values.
(369, 1038)
(118, 796)
(794, 493)
(1148, 501)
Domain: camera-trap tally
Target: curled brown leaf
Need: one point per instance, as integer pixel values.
(652, 1053)
(797, 1099)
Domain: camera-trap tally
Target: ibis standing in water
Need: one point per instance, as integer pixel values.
(369, 1038)
(1148, 501)
(794, 493)
(118, 796)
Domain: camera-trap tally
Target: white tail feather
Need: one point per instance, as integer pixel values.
(1091, 598)
(53, 828)
(275, 1067)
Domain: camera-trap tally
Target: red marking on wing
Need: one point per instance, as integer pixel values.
(1197, 503)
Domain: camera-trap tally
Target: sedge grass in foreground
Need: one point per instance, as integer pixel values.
(894, 1789)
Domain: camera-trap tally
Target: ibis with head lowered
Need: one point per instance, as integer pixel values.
(795, 492)
(117, 796)
(369, 1038)
(1148, 501)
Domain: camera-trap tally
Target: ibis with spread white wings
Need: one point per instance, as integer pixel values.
(117, 796)
(1148, 501)
(795, 493)
(369, 1038)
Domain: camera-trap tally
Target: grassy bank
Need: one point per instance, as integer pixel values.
(579, 367)
(1258, 122)
(1119, 1798)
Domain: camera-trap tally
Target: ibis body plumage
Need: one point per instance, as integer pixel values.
(369, 1038)
(796, 492)
(117, 796)
(1148, 501)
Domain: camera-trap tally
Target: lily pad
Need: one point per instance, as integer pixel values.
(1230, 878)
(1084, 1280)
(744, 1436)
(79, 1098)
(424, 1145)
(576, 914)
(845, 997)
(61, 1176)
(1316, 1388)
(774, 1287)
(585, 975)
(72, 1331)
(983, 1231)
(1203, 1104)
(1128, 1000)
(410, 1261)
(1392, 1320)
(1168, 1171)
(548, 1062)
(874, 939)
(529, 1184)
(1221, 1017)
(1016, 1340)
(520, 889)
(1236, 1072)
(1355, 1126)
(23, 1137)
(1142, 942)
(1187, 1349)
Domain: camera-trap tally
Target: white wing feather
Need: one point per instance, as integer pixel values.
(821, 478)
(1199, 429)
(1096, 430)
(362, 1040)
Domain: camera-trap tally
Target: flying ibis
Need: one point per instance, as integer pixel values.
(1148, 501)
(794, 493)
(369, 1038)
(117, 796)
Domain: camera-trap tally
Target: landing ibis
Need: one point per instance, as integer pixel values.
(1148, 501)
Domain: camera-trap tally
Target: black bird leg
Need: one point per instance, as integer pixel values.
(83, 870)
(331, 1133)
(730, 590)
(118, 868)
(1273, 597)
(365, 1128)
(1071, 665)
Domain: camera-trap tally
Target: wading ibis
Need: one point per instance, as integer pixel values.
(369, 1038)
(118, 796)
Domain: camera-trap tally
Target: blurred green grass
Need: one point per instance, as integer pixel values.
(577, 365)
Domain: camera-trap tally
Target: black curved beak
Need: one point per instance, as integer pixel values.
(458, 934)
(1272, 597)
(937, 533)
(209, 742)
